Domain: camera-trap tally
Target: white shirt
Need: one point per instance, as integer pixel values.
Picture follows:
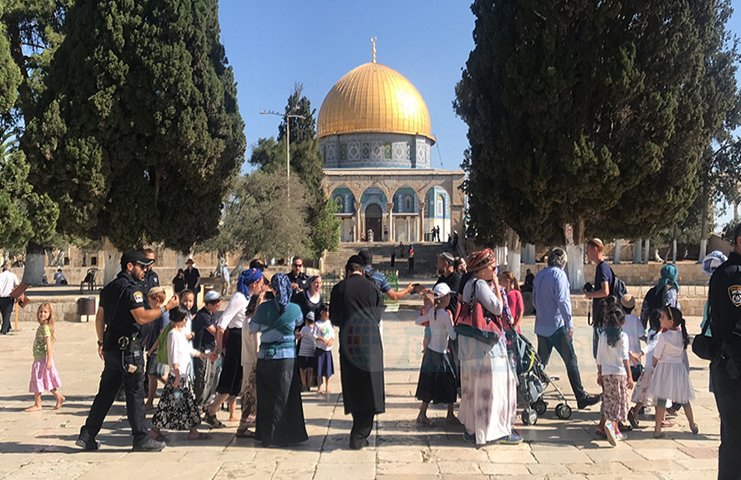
(8, 282)
(308, 344)
(325, 331)
(234, 315)
(179, 351)
(611, 358)
(484, 294)
(670, 347)
(441, 327)
(634, 329)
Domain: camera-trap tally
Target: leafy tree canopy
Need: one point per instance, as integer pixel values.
(258, 220)
(139, 131)
(593, 114)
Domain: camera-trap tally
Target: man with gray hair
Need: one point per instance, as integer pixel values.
(554, 324)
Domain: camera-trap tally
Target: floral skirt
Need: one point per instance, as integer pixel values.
(615, 397)
(43, 379)
(177, 408)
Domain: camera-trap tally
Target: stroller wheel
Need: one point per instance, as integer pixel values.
(529, 416)
(540, 406)
(563, 411)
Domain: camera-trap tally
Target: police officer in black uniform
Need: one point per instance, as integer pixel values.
(151, 279)
(725, 370)
(117, 324)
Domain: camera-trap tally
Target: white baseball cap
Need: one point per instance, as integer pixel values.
(440, 290)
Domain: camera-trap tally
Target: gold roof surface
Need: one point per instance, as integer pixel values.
(374, 98)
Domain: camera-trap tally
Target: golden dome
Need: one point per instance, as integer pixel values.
(374, 98)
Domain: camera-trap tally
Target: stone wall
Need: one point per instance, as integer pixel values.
(690, 273)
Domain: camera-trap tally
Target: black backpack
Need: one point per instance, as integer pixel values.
(655, 302)
(617, 288)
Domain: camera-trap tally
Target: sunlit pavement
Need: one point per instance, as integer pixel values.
(41, 445)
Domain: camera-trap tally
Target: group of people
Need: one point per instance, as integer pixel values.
(250, 350)
(275, 339)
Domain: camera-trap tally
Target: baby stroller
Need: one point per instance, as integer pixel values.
(533, 382)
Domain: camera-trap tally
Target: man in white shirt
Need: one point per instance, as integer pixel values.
(8, 282)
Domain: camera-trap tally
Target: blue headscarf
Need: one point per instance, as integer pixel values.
(282, 291)
(669, 276)
(247, 278)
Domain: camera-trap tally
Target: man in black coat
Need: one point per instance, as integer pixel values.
(356, 305)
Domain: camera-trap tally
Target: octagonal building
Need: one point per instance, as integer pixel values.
(376, 139)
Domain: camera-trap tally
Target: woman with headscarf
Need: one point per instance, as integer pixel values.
(488, 381)
(229, 342)
(665, 292)
(255, 292)
(280, 414)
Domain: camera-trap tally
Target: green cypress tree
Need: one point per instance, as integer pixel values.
(591, 114)
(139, 130)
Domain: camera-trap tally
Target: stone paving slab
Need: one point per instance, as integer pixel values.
(41, 445)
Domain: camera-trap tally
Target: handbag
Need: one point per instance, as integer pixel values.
(472, 320)
(704, 346)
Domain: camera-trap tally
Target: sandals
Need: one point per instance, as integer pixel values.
(200, 436)
(632, 418)
(210, 418)
(694, 429)
(158, 437)
(424, 421)
(658, 434)
(245, 434)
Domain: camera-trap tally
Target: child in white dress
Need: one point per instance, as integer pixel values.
(671, 377)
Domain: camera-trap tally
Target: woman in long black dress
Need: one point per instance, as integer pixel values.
(280, 414)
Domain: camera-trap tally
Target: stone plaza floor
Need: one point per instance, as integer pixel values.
(41, 445)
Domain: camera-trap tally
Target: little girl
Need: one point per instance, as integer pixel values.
(613, 371)
(514, 297)
(324, 341)
(44, 376)
(177, 408)
(306, 352)
(671, 378)
(436, 380)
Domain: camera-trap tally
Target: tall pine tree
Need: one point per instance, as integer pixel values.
(592, 114)
(139, 131)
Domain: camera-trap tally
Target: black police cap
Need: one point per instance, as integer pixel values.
(136, 256)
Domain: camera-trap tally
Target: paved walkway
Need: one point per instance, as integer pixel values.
(41, 445)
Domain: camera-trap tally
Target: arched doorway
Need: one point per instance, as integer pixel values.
(373, 221)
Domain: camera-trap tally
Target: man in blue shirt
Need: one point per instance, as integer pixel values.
(554, 324)
(380, 279)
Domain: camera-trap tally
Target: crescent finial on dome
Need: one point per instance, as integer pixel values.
(373, 49)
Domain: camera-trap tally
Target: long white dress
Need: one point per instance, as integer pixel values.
(488, 383)
(671, 377)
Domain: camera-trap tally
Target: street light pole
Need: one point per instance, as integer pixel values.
(287, 118)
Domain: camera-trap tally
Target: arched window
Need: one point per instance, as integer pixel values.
(408, 205)
(440, 206)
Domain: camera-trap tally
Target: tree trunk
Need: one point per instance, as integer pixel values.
(33, 272)
(618, 250)
(514, 253)
(704, 221)
(637, 250)
(647, 251)
(112, 259)
(674, 244)
(529, 254)
(575, 254)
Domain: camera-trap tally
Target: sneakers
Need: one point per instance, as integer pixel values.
(85, 442)
(148, 444)
(588, 401)
(612, 434)
(511, 439)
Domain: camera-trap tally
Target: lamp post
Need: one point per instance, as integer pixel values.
(287, 117)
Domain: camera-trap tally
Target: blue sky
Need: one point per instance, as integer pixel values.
(274, 44)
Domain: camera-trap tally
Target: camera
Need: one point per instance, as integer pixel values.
(588, 287)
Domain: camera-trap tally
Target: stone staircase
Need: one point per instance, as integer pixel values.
(425, 258)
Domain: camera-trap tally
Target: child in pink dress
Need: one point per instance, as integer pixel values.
(44, 375)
